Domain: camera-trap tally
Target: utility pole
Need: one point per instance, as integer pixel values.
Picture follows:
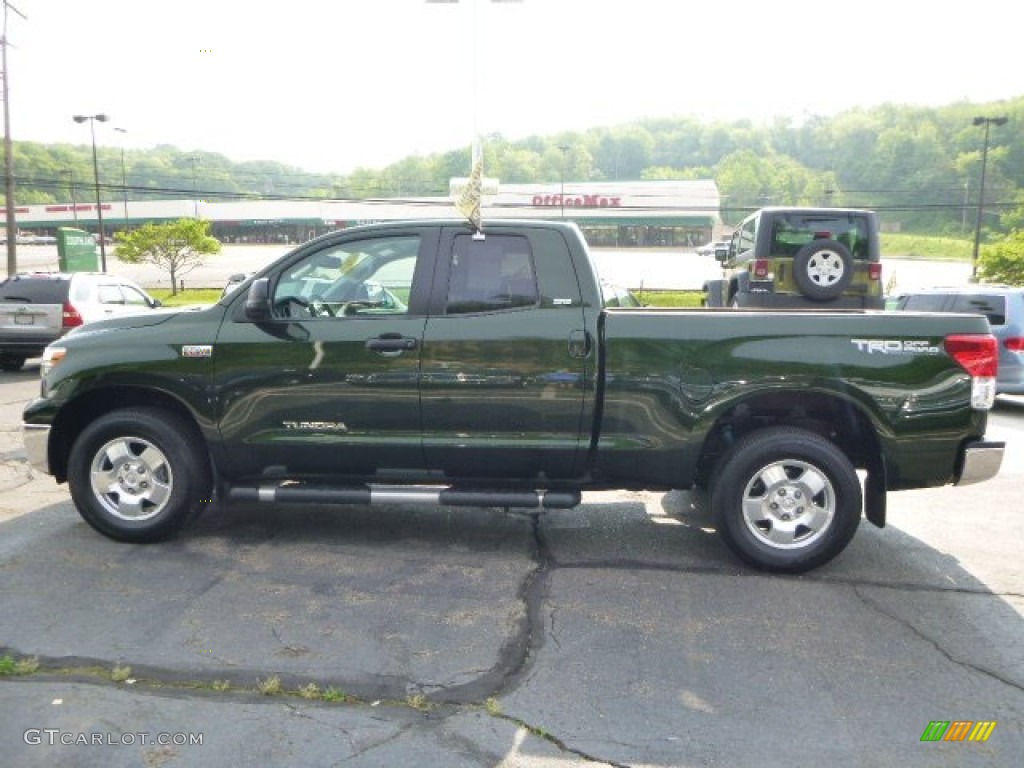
(987, 122)
(12, 226)
(124, 180)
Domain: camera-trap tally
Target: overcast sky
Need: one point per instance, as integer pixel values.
(329, 85)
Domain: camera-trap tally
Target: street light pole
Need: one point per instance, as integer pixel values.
(96, 180)
(987, 122)
(124, 180)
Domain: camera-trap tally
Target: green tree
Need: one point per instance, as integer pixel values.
(1003, 262)
(1014, 218)
(177, 247)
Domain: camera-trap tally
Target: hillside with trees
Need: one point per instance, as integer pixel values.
(919, 167)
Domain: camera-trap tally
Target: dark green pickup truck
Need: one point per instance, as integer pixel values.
(423, 362)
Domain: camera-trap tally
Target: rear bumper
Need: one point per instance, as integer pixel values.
(762, 296)
(980, 461)
(23, 348)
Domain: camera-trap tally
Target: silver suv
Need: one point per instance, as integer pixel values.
(40, 307)
(1003, 305)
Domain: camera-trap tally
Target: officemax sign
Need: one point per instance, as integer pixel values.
(577, 201)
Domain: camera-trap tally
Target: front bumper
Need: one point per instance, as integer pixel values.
(980, 461)
(37, 439)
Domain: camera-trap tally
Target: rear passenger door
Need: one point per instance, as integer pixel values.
(504, 364)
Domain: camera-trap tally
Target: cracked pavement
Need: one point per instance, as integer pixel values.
(622, 633)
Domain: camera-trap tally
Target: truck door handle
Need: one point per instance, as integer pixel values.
(391, 344)
(579, 343)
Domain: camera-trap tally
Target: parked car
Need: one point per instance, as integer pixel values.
(712, 249)
(1003, 306)
(801, 258)
(40, 307)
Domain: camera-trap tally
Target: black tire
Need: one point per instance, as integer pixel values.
(150, 477)
(714, 293)
(786, 500)
(11, 363)
(823, 269)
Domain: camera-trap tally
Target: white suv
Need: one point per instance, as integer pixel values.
(40, 307)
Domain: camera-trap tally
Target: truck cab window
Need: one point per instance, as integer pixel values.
(491, 275)
(361, 278)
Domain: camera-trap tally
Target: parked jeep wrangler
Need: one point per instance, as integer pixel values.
(818, 258)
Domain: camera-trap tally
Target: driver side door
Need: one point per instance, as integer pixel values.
(329, 384)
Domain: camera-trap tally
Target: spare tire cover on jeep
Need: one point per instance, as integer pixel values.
(822, 269)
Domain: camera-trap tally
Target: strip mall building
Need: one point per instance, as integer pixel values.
(642, 214)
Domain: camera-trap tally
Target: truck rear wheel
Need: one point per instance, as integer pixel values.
(135, 474)
(786, 499)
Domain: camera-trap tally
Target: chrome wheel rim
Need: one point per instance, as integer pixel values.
(131, 478)
(789, 504)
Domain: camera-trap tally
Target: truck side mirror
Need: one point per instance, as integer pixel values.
(721, 255)
(257, 301)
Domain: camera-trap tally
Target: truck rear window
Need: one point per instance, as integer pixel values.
(34, 290)
(491, 275)
(991, 306)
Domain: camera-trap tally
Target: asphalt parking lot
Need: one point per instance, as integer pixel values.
(619, 633)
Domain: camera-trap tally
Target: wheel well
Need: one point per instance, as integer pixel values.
(834, 418)
(85, 409)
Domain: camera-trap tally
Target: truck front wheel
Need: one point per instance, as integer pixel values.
(786, 499)
(136, 476)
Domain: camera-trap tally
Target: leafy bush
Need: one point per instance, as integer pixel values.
(1003, 262)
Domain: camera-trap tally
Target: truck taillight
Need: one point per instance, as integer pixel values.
(875, 270)
(761, 268)
(71, 317)
(978, 354)
(1014, 344)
